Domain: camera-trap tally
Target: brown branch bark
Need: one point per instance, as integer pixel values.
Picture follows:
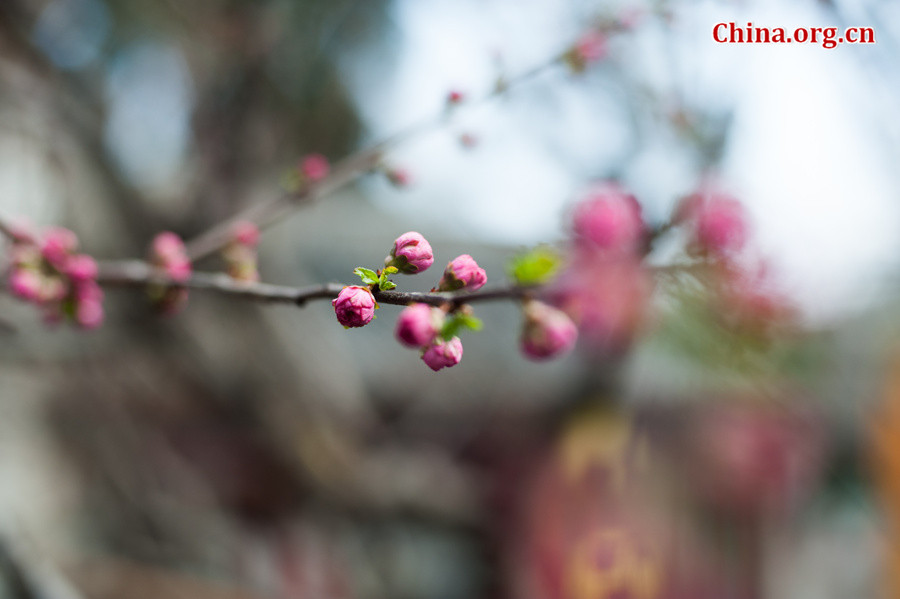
(140, 274)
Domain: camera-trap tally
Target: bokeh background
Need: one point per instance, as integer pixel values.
(243, 450)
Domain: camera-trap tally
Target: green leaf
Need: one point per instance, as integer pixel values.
(457, 322)
(369, 277)
(536, 266)
(470, 322)
(383, 283)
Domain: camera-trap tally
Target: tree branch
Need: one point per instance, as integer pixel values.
(134, 273)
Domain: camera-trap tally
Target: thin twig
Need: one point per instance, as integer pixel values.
(344, 172)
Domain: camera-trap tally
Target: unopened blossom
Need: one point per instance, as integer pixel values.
(56, 245)
(411, 254)
(314, 167)
(609, 220)
(399, 177)
(463, 272)
(89, 314)
(443, 354)
(167, 246)
(418, 324)
(455, 97)
(241, 262)
(354, 306)
(719, 222)
(246, 233)
(81, 268)
(468, 140)
(590, 47)
(240, 254)
(548, 332)
(25, 284)
(168, 252)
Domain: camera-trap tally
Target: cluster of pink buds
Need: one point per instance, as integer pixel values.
(605, 287)
(240, 253)
(746, 296)
(420, 326)
(48, 272)
(167, 252)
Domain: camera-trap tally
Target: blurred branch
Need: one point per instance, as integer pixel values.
(30, 576)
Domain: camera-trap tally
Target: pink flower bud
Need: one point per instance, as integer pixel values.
(178, 269)
(354, 306)
(89, 314)
(443, 354)
(461, 272)
(57, 244)
(80, 268)
(609, 220)
(314, 167)
(589, 48)
(411, 254)
(399, 177)
(246, 233)
(25, 284)
(241, 262)
(455, 97)
(418, 324)
(468, 140)
(167, 246)
(88, 291)
(169, 253)
(548, 332)
(720, 225)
